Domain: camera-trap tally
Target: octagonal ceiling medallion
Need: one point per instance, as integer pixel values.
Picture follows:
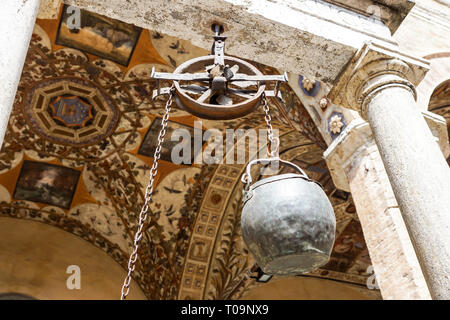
(70, 111)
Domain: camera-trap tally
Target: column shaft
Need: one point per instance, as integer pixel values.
(17, 19)
(356, 166)
(396, 267)
(420, 179)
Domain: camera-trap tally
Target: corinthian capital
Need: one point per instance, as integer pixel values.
(373, 68)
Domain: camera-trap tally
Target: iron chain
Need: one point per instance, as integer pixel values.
(148, 195)
(274, 142)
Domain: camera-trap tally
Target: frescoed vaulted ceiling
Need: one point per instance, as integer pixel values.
(79, 147)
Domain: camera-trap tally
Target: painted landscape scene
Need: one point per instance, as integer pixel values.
(104, 37)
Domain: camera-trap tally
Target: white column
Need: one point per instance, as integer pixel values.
(419, 175)
(356, 166)
(17, 19)
(380, 84)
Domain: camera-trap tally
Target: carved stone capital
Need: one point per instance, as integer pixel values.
(372, 69)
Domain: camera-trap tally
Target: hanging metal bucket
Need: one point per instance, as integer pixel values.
(287, 221)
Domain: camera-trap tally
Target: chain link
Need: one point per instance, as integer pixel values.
(272, 146)
(148, 195)
(274, 142)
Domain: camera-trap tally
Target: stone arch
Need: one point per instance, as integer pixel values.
(309, 288)
(15, 296)
(440, 102)
(440, 97)
(439, 72)
(34, 258)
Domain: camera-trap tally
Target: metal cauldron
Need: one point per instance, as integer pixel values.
(287, 221)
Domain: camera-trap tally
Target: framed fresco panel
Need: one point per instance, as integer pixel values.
(150, 142)
(98, 35)
(46, 183)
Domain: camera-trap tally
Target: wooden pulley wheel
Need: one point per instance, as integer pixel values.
(218, 87)
(217, 97)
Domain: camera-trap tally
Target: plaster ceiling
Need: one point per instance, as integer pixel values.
(78, 150)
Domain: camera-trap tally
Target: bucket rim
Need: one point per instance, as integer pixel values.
(279, 177)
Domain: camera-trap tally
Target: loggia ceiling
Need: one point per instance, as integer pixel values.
(79, 146)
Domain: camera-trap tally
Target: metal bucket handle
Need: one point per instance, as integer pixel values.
(247, 177)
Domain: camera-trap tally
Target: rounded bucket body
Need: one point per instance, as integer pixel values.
(288, 224)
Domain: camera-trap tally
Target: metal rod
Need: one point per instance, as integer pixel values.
(206, 77)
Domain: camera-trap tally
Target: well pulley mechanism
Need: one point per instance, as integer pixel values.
(217, 86)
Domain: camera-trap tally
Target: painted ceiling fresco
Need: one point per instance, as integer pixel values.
(78, 150)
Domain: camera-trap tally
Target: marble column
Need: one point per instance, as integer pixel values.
(356, 166)
(17, 19)
(380, 83)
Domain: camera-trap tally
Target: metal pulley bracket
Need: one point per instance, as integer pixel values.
(217, 86)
